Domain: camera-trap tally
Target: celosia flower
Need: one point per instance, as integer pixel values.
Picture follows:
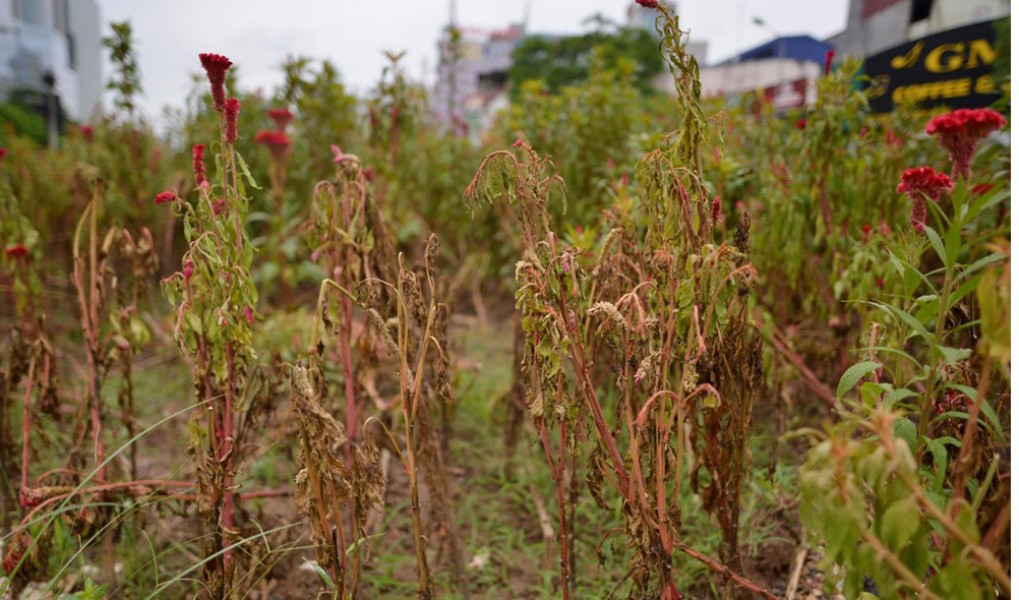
(277, 143)
(189, 269)
(282, 117)
(230, 110)
(167, 196)
(716, 210)
(919, 184)
(16, 251)
(829, 58)
(960, 130)
(198, 164)
(216, 66)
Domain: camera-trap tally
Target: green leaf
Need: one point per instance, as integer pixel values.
(954, 355)
(936, 243)
(853, 375)
(243, 166)
(906, 429)
(908, 319)
(899, 522)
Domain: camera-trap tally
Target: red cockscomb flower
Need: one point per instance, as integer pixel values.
(278, 143)
(959, 132)
(167, 196)
(281, 116)
(216, 66)
(198, 164)
(17, 251)
(829, 58)
(230, 111)
(919, 184)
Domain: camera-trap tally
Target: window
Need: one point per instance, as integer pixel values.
(921, 10)
(60, 15)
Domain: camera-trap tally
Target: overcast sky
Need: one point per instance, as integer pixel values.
(257, 36)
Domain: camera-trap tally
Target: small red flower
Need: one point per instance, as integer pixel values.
(716, 210)
(802, 123)
(892, 140)
(282, 117)
(86, 132)
(218, 206)
(3, 153)
(867, 229)
(216, 66)
(519, 143)
(167, 196)
(829, 58)
(648, 3)
(959, 132)
(189, 269)
(17, 251)
(919, 184)
(369, 174)
(249, 315)
(230, 110)
(198, 164)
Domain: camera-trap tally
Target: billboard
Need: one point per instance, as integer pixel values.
(951, 68)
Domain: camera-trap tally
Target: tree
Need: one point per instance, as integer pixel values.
(566, 61)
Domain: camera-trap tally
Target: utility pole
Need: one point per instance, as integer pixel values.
(52, 109)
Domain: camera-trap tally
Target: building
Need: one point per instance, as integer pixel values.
(59, 37)
(784, 69)
(473, 75)
(876, 25)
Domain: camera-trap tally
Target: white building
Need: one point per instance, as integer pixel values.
(61, 37)
(876, 25)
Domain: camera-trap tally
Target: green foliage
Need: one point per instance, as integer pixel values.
(567, 61)
(22, 122)
(126, 78)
